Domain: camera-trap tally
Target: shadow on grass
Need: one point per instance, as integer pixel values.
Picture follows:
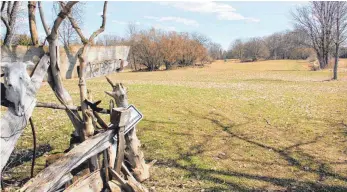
(321, 169)
(17, 158)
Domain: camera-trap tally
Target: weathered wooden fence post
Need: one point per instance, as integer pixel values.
(133, 153)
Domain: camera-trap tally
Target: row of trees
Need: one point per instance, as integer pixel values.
(320, 30)
(281, 45)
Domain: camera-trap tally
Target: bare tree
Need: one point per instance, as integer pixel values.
(201, 38)
(215, 51)
(32, 22)
(109, 40)
(132, 32)
(340, 32)
(317, 21)
(54, 75)
(275, 44)
(67, 34)
(88, 128)
(9, 18)
(255, 48)
(237, 49)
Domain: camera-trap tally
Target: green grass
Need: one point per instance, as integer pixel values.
(270, 125)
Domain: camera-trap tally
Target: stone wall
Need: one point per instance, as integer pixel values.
(101, 60)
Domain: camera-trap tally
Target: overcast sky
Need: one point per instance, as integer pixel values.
(223, 22)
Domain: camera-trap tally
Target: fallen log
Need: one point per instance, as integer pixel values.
(12, 125)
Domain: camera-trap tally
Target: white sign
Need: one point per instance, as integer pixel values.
(135, 117)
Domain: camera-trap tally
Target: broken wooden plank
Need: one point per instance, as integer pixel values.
(132, 182)
(46, 179)
(122, 181)
(63, 180)
(114, 186)
(91, 182)
(12, 125)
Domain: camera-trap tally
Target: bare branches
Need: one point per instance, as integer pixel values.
(54, 73)
(88, 126)
(5, 22)
(102, 27)
(77, 29)
(317, 20)
(61, 16)
(84, 40)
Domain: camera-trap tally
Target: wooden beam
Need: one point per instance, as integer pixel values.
(132, 181)
(62, 107)
(88, 183)
(123, 182)
(12, 125)
(120, 117)
(114, 186)
(46, 180)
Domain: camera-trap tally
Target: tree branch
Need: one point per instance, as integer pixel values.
(45, 26)
(102, 27)
(8, 8)
(61, 16)
(78, 29)
(3, 6)
(5, 22)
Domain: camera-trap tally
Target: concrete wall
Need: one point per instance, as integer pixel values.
(101, 60)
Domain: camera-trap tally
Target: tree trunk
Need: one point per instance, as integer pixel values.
(88, 125)
(168, 65)
(321, 61)
(134, 61)
(8, 37)
(32, 22)
(56, 84)
(336, 60)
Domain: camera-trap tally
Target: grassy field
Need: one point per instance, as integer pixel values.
(264, 126)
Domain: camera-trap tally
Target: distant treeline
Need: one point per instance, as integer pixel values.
(281, 45)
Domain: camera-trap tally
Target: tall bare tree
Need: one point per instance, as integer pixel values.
(215, 51)
(32, 23)
(9, 18)
(132, 32)
(237, 49)
(317, 21)
(340, 31)
(88, 129)
(54, 76)
(256, 48)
